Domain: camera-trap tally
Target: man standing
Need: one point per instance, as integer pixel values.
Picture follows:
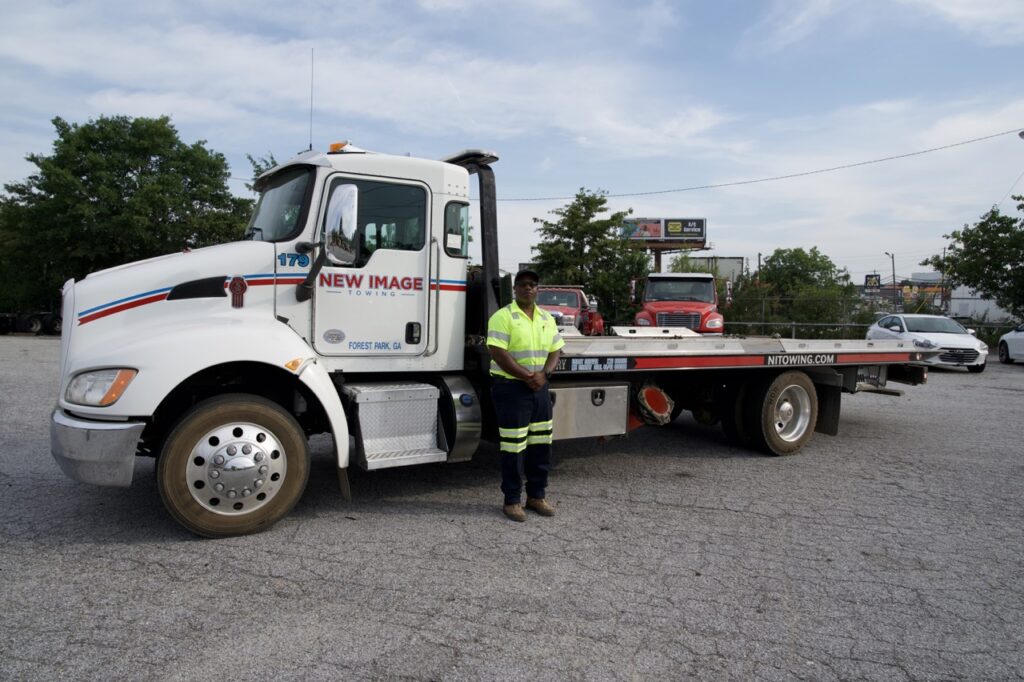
(524, 344)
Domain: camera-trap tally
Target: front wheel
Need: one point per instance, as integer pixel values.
(234, 464)
(1004, 354)
(782, 413)
(976, 369)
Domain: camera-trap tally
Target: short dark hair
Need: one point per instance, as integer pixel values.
(526, 274)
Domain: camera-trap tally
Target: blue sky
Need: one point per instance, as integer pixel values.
(628, 97)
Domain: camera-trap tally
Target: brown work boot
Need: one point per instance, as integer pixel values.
(514, 512)
(540, 505)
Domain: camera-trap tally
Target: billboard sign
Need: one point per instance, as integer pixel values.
(666, 229)
(642, 228)
(685, 229)
(872, 283)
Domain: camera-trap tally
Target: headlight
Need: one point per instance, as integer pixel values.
(99, 388)
(924, 343)
(568, 319)
(643, 323)
(714, 324)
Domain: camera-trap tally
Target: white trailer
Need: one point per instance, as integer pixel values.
(350, 309)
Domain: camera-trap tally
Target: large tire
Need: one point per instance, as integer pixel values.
(976, 369)
(781, 413)
(52, 324)
(732, 409)
(1004, 354)
(234, 464)
(32, 324)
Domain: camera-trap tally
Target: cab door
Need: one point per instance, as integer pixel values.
(378, 305)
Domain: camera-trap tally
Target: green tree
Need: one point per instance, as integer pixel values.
(583, 246)
(786, 271)
(260, 165)
(113, 190)
(795, 285)
(989, 258)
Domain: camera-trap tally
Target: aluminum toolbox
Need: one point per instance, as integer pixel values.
(582, 410)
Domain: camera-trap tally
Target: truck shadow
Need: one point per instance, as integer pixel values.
(82, 515)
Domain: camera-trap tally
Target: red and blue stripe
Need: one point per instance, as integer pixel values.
(156, 295)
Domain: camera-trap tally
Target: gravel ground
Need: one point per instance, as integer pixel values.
(890, 552)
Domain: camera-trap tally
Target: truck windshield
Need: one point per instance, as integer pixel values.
(566, 299)
(702, 290)
(282, 205)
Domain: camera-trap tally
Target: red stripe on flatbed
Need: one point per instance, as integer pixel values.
(712, 361)
(871, 358)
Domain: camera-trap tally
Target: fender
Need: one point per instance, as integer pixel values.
(168, 354)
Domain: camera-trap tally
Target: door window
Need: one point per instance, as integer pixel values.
(391, 216)
(456, 230)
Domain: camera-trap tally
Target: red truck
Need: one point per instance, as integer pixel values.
(571, 306)
(680, 299)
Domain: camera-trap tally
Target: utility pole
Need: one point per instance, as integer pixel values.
(760, 292)
(893, 258)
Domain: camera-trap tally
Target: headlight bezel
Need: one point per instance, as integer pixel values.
(100, 387)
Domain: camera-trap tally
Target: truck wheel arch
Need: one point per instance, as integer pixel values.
(310, 397)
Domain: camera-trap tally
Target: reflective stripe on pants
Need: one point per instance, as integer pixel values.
(524, 430)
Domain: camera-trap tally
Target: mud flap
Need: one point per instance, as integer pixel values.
(829, 400)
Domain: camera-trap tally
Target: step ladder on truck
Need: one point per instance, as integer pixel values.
(350, 309)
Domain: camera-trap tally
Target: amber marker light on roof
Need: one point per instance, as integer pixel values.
(338, 146)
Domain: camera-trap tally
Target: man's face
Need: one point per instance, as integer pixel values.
(525, 291)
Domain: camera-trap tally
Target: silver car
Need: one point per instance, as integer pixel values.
(959, 346)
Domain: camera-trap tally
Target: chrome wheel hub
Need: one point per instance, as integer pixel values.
(236, 468)
(792, 413)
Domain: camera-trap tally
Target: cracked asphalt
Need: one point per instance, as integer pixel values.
(891, 552)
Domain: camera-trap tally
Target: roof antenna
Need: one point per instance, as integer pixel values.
(311, 99)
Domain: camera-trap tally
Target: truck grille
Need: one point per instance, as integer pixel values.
(688, 320)
(958, 355)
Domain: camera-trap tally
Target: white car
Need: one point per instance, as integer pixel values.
(1011, 346)
(960, 348)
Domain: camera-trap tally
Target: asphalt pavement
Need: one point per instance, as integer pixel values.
(890, 552)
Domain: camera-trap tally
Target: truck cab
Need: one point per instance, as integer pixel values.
(673, 299)
(571, 307)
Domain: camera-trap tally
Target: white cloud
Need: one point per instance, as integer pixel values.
(1000, 22)
(787, 22)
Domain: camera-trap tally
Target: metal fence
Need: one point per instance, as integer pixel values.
(988, 332)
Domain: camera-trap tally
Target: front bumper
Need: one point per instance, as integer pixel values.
(957, 357)
(101, 453)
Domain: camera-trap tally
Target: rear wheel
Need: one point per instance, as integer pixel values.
(976, 369)
(52, 324)
(1004, 354)
(32, 324)
(781, 414)
(234, 464)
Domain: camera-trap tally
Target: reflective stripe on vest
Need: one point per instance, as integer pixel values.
(520, 345)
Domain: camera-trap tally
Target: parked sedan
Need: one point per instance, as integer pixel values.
(1011, 346)
(959, 346)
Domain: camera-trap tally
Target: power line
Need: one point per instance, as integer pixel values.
(1000, 202)
(782, 177)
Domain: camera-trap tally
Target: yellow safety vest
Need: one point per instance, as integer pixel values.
(528, 341)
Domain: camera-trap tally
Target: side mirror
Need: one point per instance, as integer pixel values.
(593, 305)
(340, 230)
(972, 332)
(895, 328)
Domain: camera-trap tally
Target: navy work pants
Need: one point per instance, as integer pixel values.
(524, 431)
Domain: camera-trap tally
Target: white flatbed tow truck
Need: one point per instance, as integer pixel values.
(351, 309)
